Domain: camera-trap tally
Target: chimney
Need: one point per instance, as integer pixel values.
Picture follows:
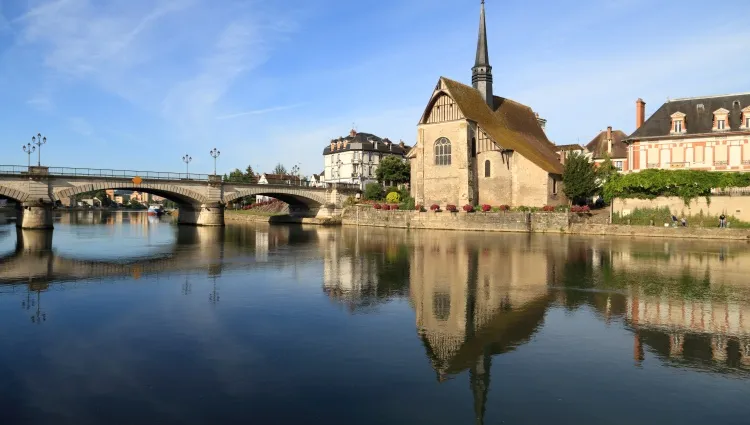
(542, 122)
(609, 140)
(401, 143)
(640, 113)
(353, 133)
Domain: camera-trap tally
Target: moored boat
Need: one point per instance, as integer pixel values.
(155, 210)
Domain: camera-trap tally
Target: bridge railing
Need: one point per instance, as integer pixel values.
(105, 173)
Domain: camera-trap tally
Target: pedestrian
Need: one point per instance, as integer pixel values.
(722, 221)
(674, 220)
(684, 222)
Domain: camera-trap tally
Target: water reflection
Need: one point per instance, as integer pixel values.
(473, 301)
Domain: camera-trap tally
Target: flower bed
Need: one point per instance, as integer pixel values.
(435, 207)
(468, 208)
(577, 209)
(451, 208)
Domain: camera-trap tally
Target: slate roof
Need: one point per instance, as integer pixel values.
(367, 144)
(697, 121)
(512, 125)
(598, 145)
(573, 147)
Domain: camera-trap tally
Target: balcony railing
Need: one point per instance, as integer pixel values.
(721, 163)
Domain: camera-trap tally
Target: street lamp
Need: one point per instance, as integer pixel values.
(28, 148)
(186, 159)
(215, 154)
(39, 141)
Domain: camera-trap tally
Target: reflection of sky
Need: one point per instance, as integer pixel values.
(115, 242)
(7, 239)
(274, 348)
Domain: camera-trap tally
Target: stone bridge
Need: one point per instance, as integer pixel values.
(201, 198)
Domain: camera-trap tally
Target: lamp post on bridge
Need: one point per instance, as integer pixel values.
(186, 159)
(38, 140)
(215, 154)
(28, 148)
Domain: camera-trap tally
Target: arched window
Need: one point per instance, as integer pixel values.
(487, 168)
(443, 151)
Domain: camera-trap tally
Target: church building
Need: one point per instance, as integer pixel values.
(477, 148)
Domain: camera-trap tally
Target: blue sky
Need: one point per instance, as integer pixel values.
(136, 84)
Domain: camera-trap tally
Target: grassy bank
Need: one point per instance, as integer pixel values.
(659, 216)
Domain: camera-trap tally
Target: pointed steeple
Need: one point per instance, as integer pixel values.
(483, 56)
(481, 73)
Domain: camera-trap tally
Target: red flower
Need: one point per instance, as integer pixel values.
(376, 206)
(435, 207)
(486, 208)
(394, 207)
(386, 207)
(504, 207)
(468, 208)
(451, 208)
(418, 208)
(548, 208)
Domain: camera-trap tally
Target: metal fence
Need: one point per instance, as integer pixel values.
(104, 173)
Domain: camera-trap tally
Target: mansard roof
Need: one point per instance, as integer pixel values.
(511, 125)
(699, 116)
(598, 145)
(367, 142)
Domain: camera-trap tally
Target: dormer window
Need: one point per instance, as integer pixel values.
(678, 123)
(745, 119)
(721, 120)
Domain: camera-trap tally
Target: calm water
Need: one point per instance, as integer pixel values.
(120, 319)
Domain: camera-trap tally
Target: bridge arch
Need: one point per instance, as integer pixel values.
(172, 192)
(294, 196)
(13, 194)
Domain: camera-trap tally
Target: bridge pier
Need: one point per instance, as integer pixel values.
(203, 215)
(35, 215)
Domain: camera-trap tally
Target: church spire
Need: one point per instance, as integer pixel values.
(481, 73)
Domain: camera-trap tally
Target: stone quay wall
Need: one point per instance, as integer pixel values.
(543, 222)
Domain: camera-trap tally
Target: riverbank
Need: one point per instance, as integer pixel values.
(521, 222)
(257, 217)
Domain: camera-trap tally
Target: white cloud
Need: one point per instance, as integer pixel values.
(259, 111)
(41, 103)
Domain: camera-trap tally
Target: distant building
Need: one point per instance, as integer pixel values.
(317, 180)
(354, 159)
(564, 150)
(277, 179)
(697, 133)
(609, 143)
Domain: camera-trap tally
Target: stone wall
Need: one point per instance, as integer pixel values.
(737, 206)
(444, 220)
(660, 232)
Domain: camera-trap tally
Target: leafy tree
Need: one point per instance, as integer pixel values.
(393, 170)
(373, 191)
(238, 176)
(279, 169)
(606, 170)
(579, 178)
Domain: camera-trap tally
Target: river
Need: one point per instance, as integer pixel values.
(115, 318)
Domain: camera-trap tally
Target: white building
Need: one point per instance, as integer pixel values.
(355, 158)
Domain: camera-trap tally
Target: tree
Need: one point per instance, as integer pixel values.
(237, 176)
(393, 170)
(579, 178)
(606, 171)
(279, 169)
(373, 191)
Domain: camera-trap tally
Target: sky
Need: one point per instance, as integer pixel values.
(137, 84)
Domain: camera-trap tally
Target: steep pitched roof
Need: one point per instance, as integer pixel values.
(512, 125)
(598, 145)
(698, 120)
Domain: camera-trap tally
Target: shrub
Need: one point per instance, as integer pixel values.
(377, 206)
(486, 208)
(373, 191)
(548, 208)
(451, 208)
(435, 207)
(468, 208)
(504, 207)
(350, 201)
(393, 197)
